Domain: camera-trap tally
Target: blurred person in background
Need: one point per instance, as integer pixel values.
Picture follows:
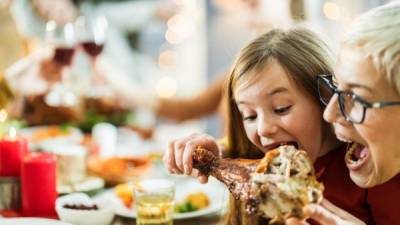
(117, 64)
(31, 17)
(131, 94)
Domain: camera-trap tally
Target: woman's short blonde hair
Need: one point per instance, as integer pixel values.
(377, 32)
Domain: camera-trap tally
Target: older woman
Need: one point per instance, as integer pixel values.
(363, 104)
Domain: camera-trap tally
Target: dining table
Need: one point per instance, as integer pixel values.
(215, 219)
(184, 184)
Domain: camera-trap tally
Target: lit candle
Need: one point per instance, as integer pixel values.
(12, 149)
(38, 181)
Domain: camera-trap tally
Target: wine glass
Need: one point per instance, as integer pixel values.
(61, 39)
(92, 35)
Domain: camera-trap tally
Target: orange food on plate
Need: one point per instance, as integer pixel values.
(199, 200)
(193, 202)
(118, 170)
(124, 192)
(49, 132)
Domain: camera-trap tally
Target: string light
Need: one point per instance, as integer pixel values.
(172, 37)
(180, 27)
(166, 60)
(332, 11)
(166, 87)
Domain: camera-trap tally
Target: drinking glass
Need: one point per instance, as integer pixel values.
(91, 31)
(154, 202)
(92, 34)
(61, 39)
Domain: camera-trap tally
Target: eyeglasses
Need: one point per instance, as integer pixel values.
(353, 107)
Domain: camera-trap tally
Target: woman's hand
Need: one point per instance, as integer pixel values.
(50, 71)
(178, 156)
(326, 214)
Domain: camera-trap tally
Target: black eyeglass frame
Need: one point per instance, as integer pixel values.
(327, 82)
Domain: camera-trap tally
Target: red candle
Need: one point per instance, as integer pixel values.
(12, 150)
(38, 181)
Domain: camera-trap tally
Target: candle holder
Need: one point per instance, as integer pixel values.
(10, 194)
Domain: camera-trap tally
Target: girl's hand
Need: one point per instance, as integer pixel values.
(326, 214)
(178, 156)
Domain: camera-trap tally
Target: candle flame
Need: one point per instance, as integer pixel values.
(3, 115)
(12, 133)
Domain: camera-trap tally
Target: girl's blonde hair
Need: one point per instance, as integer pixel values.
(377, 32)
(302, 54)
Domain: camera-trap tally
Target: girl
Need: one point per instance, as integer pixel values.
(273, 99)
(364, 107)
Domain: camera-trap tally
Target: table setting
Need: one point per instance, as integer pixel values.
(62, 175)
(72, 152)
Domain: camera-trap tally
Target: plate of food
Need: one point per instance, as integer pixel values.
(116, 170)
(41, 135)
(192, 199)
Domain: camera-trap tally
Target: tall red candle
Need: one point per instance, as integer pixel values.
(12, 150)
(38, 181)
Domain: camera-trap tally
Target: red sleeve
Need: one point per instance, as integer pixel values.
(384, 200)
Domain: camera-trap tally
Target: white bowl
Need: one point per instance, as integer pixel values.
(101, 216)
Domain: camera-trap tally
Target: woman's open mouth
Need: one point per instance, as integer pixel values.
(356, 156)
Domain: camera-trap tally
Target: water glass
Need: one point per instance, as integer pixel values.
(154, 202)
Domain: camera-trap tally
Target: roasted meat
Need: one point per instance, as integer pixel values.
(276, 187)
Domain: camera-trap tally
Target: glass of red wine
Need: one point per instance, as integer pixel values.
(92, 35)
(61, 39)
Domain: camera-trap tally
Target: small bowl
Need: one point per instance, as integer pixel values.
(103, 215)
